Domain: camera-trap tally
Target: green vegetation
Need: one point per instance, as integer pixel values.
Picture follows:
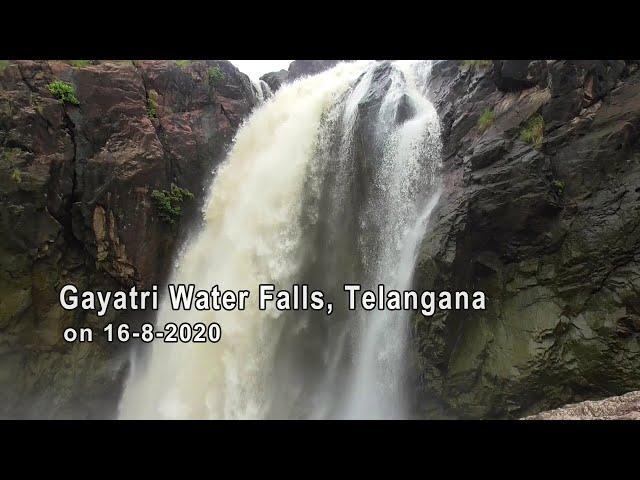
(64, 92)
(215, 76)
(168, 202)
(152, 104)
(6, 107)
(559, 186)
(16, 176)
(183, 63)
(476, 64)
(486, 120)
(152, 109)
(11, 154)
(533, 131)
(120, 62)
(3, 64)
(80, 63)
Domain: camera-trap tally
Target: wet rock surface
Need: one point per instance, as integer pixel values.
(623, 407)
(76, 207)
(546, 222)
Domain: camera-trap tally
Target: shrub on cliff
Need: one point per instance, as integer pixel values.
(152, 104)
(152, 109)
(168, 202)
(64, 92)
(215, 75)
(558, 185)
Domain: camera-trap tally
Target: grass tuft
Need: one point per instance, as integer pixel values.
(486, 120)
(533, 131)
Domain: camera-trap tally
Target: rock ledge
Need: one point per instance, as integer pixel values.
(623, 407)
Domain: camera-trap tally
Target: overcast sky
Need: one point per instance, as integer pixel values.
(256, 68)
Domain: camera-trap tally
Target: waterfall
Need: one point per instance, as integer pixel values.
(330, 182)
(266, 90)
(261, 90)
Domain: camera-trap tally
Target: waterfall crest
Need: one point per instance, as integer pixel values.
(330, 182)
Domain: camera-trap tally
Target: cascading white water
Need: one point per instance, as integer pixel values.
(262, 90)
(282, 210)
(400, 210)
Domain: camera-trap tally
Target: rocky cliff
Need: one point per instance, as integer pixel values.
(540, 209)
(78, 171)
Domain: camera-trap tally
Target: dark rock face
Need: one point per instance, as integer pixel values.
(549, 231)
(76, 207)
(275, 79)
(514, 75)
(300, 68)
